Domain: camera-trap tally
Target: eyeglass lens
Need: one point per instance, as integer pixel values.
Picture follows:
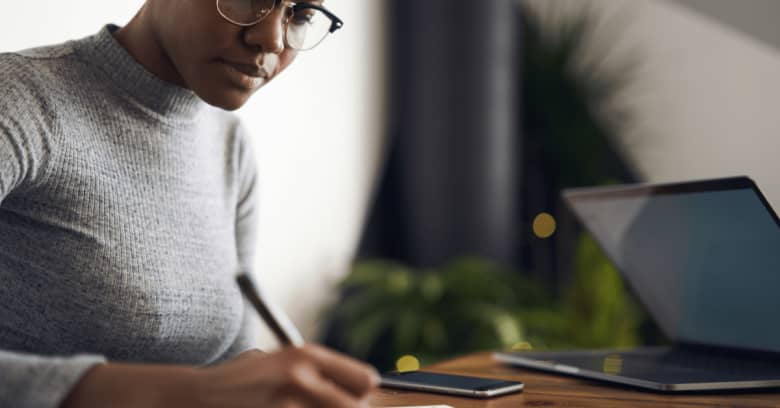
(245, 11)
(305, 27)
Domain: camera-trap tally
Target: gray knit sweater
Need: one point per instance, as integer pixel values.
(127, 208)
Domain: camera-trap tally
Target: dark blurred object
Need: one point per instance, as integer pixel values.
(450, 185)
(571, 120)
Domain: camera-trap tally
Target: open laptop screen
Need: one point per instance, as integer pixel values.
(703, 257)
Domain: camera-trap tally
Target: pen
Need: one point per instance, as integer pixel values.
(274, 317)
(283, 328)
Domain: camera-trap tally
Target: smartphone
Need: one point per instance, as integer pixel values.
(476, 387)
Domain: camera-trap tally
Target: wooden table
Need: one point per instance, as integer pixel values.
(544, 390)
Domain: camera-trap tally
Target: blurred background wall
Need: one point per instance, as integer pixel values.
(754, 17)
(707, 90)
(318, 130)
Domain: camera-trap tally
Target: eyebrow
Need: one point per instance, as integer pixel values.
(312, 2)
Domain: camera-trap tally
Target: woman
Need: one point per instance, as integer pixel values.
(127, 207)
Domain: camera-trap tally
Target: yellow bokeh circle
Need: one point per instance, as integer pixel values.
(407, 363)
(523, 345)
(544, 225)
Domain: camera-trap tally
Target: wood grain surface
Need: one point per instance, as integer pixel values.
(545, 390)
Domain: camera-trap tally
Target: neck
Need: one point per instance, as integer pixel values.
(142, 42)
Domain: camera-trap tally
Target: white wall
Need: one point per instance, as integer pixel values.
(755, 17)
(706, 96)
(317, 131)
(32, 23)
(318, 151)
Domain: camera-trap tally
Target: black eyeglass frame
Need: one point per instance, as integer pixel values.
(335, 22)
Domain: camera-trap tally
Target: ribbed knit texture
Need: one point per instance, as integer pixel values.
(127, 208)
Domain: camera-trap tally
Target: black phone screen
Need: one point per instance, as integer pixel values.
(449, 380)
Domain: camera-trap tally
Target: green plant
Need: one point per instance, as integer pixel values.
(596, 309)
(471, 304)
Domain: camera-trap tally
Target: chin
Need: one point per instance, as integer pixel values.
(229, 100)
(231, 105)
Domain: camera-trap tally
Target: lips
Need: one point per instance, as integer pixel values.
(247, 69)
(247, 77)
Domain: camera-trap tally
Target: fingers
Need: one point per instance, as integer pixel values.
(307, 378)
(354, 376)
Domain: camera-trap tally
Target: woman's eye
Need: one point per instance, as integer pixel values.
(302, 17)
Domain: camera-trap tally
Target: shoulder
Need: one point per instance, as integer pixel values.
(230, 121)
(26, 93)
(226, 132)
(245, 149)
(31, 87)
(242, 145)
(237, 133)
(243, 139)
(27, 119)
(30, 79)
(36, 63)
(16, 76)
(49, 52)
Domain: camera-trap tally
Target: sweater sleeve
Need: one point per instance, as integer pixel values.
(32, 381)
(245, 340)
(246, 208)
(246, 240)
(28, 380)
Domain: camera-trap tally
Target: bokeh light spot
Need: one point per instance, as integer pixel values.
(544, 225)
(399, 281)
(613, 364)
(521, 346)
(407, 363)
(508, 330)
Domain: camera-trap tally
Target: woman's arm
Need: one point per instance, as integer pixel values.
(131, 385)
(37, 381)
(310, 376)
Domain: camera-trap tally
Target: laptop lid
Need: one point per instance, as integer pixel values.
(702, 256)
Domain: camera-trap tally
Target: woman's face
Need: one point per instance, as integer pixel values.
(224, 64)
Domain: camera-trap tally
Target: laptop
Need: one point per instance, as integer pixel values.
(704, 259)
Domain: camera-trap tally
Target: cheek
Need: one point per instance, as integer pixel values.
(196, 35)
(202, 32)
(200, 60)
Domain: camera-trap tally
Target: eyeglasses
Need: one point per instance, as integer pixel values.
(305, 24)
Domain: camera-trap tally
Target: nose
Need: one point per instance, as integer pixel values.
(267, 36)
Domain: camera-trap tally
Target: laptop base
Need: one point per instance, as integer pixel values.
(665, 369)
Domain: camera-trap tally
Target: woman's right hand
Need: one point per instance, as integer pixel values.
(309, 376)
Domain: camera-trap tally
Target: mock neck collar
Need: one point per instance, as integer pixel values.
(171, 101)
